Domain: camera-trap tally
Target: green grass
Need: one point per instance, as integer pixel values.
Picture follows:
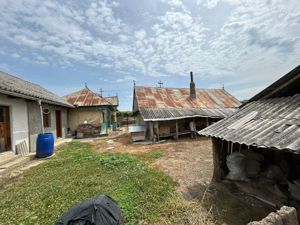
(152, 155)
(77, 173)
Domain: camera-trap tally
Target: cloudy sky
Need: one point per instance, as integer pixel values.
(244, 45)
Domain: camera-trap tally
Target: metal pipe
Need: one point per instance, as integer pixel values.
(41, 112)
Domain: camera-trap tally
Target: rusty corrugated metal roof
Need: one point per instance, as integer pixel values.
(113, 100)
(158, 104)
(15, 86)
(86, 97)
(271, 123)
(160, 114)
(151, 97)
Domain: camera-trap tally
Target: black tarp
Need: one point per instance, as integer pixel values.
(101, 210)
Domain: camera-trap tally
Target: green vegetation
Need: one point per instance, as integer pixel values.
(77, 173)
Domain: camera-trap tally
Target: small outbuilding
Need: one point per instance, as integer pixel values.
(93, 109)
(260, 143)
(20, 114)
(173, 112)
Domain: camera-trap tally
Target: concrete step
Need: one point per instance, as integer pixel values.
(10, 166)
(6, 157)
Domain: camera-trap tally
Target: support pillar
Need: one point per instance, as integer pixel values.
(176, 124)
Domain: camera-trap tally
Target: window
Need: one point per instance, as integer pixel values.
(47, 118)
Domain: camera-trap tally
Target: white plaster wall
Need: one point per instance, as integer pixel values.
(18, 119)
(35, 122)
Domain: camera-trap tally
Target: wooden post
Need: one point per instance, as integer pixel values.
(217, 152)
(207, 121)
(157, 131)
(176, 123)
(228, 148)
(151, 133)
(195, 131)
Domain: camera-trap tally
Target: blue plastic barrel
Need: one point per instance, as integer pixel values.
(44, 145)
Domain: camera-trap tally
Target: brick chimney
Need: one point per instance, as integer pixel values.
(192, 87)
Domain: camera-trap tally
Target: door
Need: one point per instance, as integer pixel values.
(58, 124)
(5, 140)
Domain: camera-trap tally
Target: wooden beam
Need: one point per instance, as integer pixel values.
(207, 121)
(176, 124)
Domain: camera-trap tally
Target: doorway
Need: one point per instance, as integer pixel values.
(5, 139)
(58, 124)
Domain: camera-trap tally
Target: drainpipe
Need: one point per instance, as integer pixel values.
(41, 111)
(29, 127)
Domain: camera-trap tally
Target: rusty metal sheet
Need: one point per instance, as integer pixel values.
(271, 123)
(150, 97)
(162, 114)
(86, 97)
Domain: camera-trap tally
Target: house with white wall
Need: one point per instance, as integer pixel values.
(23, 107)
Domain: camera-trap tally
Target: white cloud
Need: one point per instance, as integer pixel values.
(126, 78)
(140, 34)
(256, 38)
(208, 3)
(100, 15)
(174, 2)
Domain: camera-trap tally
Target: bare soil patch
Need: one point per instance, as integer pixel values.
(189, 162)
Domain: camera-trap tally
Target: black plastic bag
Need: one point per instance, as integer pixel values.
(101, 210)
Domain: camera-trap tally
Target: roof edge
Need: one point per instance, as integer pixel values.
(19, 95)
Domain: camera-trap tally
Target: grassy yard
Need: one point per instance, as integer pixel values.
(77, 173)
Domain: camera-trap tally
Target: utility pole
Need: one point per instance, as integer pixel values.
(160, 83)
(101, 92)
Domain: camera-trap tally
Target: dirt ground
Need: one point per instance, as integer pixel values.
(189, 162)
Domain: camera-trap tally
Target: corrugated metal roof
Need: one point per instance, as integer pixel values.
(86, 97)
(113, 100)
(158, 104)
(151, 97)
(275, 125)
(15, 86)
(159, 114)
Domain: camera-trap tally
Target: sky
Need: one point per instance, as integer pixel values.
(61, 45)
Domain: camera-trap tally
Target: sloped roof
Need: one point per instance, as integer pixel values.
(157, 104)
(86, 97)
(151, 97)
(17, 87)
(114, 100)
(271, 123)
(160, 114)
